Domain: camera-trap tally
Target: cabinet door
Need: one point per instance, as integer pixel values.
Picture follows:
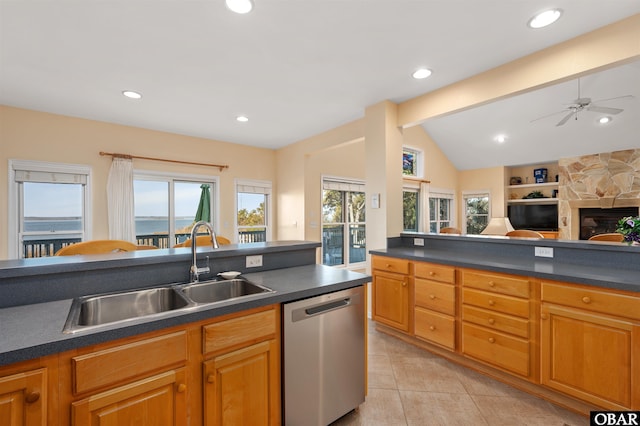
(23, 399)
(159, 400)
(242, 387)
(391, 300)
(590, 356)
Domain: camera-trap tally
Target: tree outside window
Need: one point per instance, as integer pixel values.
(476, 213)
(439, 214)
(410, 210)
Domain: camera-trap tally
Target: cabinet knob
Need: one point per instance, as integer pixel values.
(492, 284)
(431, 273)
(492, 321)
(32, 397)
(432, 327)
(586, 299)
(492, 340)
(404, 283)
(491, 303)
(388, 265)
(182, 387)
(544, 316)
(211, 378)
(432, 296)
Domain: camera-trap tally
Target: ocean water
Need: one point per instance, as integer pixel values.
(144, 225)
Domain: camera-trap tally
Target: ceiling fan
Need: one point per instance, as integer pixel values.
(585, 104)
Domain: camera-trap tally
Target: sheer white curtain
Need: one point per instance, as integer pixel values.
(424, 206)
(120, 200)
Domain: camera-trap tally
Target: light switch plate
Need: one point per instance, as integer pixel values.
(544, 251)
(254, 261)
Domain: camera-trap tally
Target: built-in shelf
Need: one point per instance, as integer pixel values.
(535, 185)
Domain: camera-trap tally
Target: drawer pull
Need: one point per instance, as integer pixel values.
(586, 299)
(431, 273)
(211, 378)
(432, 328)
(388, 265)
(544, 316)
(491, 303)
(182, 387)
(404, 283)
(492, 340)
(32, 397)
(432, 296)
(492, 321)
(492, 284)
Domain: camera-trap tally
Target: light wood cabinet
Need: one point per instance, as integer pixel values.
(590, 344)
(435, 303)
(496, 321)
(391, 292)
(23, 398)
(242, 370)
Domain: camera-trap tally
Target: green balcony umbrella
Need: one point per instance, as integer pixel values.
(204, 206)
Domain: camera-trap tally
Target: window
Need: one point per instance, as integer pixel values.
(437, 214)
(343, 222)
(411, 162)
(49, 207)
(166, 206)
(253, 211)
(410, 209)
(476, 211)
(440, 210)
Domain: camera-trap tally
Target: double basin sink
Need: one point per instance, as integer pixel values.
(90, 312)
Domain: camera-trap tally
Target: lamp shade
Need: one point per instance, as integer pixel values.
(498, 226)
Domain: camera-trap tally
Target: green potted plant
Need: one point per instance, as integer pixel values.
(630, 228)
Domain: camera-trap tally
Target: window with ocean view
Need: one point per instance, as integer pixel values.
(166, 207)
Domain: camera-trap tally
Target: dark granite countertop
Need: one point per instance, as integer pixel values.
(34, 330)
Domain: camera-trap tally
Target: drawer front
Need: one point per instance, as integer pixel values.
(496, 321)
(592, 300)
(436, 296)
(109, 366)
(390, 264)
(248, 329)
(435, 327)
(496, 302)
(510, 353)
(445, 274)
(498, 283)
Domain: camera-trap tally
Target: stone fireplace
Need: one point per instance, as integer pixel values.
(602, 181)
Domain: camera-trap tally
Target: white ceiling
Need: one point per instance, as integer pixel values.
(295, 67)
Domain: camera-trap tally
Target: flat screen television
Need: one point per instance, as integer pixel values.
(538, 217)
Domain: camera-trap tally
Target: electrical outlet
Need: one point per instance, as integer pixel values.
(254, 261)
(544, 251)
(418, 241)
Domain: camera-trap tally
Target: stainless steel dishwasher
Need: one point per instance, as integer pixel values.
(324, 357)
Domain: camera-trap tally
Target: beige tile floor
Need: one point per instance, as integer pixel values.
(410, 386)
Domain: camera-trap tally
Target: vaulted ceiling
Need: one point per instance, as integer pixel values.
(296, 68)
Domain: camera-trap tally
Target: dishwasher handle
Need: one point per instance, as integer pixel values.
(313, 311)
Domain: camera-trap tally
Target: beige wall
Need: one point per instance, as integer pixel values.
(493, 180)
(31, 135)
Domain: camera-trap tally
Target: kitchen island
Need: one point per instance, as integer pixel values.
(566, 327)
(180, 367)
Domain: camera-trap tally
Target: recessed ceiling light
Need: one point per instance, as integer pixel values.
(131, 94)
(421, 73)
(242, 118)
(545, 18)
(240, 6)
(500, 138)
(605, 120)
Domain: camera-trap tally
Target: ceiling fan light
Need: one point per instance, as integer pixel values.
(605, 120)
(239, 6)
(545, 18)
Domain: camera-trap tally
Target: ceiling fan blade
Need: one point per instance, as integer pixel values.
(566, 118)
(610, 99)
(548, 115)
(604, 110)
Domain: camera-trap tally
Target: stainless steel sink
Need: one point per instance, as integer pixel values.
(92, 311)
(221, 290)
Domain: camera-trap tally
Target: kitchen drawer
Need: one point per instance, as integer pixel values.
(445, 274)
(501, 350)
(498, 283)
(496, 302)
(390, 264)
(436, 296)
(496, 321)
(239, 331)
(435, 327)
(592, 299)
(109, 366)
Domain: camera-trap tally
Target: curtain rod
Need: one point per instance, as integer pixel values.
(415, 179)
(127, 156)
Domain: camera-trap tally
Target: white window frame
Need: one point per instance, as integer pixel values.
(345, 185)
(419, 155)
(15, 197)
(254, 186)
(409, 186)
(473, 194)
(171, 178)
(441, 194)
